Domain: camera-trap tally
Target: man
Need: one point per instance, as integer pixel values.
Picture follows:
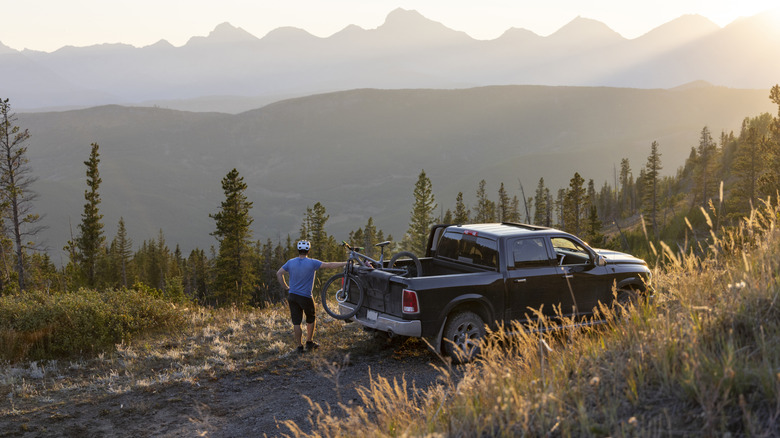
(301, 271)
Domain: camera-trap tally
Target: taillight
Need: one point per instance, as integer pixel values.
(410, 302)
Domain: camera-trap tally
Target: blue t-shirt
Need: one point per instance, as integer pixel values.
(302, 272)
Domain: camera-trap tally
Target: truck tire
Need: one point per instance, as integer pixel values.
(333, 293)
(462, 335)
(415, 271)
(628, 295)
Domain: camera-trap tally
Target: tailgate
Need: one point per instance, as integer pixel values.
(381, 294)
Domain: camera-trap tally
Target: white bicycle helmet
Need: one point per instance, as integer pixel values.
(304, 245)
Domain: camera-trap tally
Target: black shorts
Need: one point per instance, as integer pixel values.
(298, 305)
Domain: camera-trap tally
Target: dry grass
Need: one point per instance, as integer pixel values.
(702, 358)
(213, 342)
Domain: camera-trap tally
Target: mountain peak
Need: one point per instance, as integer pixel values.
(288, 34)
(583, 29)
(405, 24)
(225, 33)
(5, 50)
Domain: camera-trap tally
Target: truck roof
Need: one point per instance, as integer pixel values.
(505, 229)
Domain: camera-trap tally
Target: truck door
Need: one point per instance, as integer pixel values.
(583, 283)
(533, 279)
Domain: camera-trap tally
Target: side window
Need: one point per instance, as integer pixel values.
(482, 251)
(569, 252)
(528, 253)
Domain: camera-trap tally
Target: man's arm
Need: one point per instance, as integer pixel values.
(333, 265)
(280, 278)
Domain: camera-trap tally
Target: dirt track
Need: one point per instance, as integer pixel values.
(244, 402)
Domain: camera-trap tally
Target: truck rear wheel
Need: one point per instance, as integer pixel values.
(342, 289)
(462, 335)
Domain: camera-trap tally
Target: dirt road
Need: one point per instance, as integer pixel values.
(242, 402)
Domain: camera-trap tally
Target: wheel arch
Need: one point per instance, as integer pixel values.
(470, 302)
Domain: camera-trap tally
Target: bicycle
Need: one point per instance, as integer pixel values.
(344, 290)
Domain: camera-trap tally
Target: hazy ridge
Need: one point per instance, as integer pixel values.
(358, 152)
(231, 70)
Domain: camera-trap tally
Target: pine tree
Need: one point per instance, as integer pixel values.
(233, 276)
(548, 221)
(461, 215)
(651, 180)
(769, 181)
(626, 183)
(316, 218)
(15, 181)
(422, 215)
(593, 234)
(485, 211)
(122, 248)
(706, 166)
(574, 204)
(370, 238)
(87, 247)
(504, 205)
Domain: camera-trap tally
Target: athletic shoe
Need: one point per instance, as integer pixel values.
(311, 345)
(300, 349)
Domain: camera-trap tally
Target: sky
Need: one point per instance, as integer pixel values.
(47, 25)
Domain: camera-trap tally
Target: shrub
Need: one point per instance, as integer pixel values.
(36, 325)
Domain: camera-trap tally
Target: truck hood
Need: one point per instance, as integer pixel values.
(615, 257)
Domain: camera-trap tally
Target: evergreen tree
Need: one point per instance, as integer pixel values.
(560, 208)
(574, 204)
(626, 189)
(421, 216)
(370, 238)
(652, 177)
(750, 161)
(485, 209)
(196, 277)
(123, 249)
(233, 276)
(550, 205)
(461, 215)
(315, 220)
(593, 234)
(514, 210)
(504, 205)
(86, 248)
(769, 181)
(447, 218)
(15, 181)
(706, 166)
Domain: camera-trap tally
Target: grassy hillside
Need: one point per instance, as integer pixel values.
(701, 358)
(357, 152)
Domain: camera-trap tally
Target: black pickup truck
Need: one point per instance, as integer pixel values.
(487, 274)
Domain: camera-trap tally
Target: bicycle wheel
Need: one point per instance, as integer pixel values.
(412, 270)
(337, 291)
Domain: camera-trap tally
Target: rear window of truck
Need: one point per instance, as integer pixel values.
(467, 248)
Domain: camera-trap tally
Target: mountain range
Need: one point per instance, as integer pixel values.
(232, 71)
(358, 152)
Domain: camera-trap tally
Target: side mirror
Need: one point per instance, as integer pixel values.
(601, 261)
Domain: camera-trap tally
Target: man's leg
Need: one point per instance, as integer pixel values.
(298, 334)
(311, 322)
(310, 331)
(296, 314)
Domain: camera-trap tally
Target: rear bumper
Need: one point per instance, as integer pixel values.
(388, 323)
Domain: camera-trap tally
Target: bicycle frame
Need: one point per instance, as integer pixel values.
(363, 260)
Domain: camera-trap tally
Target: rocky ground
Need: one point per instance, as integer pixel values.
(248, 401)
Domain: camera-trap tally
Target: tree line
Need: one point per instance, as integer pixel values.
(727, 177)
